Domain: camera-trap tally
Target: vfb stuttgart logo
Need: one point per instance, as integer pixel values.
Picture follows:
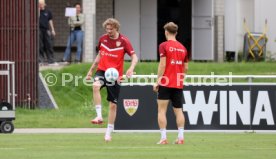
(131, 106)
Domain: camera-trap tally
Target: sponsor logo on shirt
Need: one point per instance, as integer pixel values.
(103, 53)
(173, 49)
(172, 61)
(176, 62)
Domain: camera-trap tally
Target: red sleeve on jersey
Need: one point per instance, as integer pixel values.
(128, 47)
(186, 60)
(162, 50)
(99, 44)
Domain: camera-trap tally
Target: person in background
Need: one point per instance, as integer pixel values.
(46, 32)
(76, 34)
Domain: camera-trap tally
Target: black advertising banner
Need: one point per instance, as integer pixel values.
(236, 107)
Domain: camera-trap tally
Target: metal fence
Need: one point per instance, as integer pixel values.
(19, 43)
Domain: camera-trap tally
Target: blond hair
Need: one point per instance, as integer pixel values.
(42, 1)
(171, 27)
(113, 22)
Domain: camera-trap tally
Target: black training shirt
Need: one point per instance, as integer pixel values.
(45, 17)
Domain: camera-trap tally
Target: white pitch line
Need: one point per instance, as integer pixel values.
(102, 130)
(11, 148)
(200, 131)
(58, 130)
(144, 147)
(259, 148)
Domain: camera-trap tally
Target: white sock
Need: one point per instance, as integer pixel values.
(163, 134)
(180, 133)
(110, 128)
(99, 111)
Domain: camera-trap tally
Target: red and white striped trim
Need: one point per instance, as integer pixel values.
(110, 50)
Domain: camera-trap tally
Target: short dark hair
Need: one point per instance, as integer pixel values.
(171, 27)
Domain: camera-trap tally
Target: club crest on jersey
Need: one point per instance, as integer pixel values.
(118, 43)
(131, 106)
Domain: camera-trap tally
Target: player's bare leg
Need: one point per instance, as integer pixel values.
(97, 101)
(162, 120)
(180, 122)
(111, 120)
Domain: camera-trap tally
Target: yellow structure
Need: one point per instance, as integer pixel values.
(256, 42)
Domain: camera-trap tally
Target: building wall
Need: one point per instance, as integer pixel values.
(104, 10)
(230, 25)
(60, 21)
(130, 22)
(139, 25)
(89, 8)
(264, 10)
(236, 11)
(245, 11)
(255, 12)
(203, 30)
(148, 30)
(63, 30)
(219, 30)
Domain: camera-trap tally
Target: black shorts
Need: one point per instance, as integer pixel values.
(113, 88)
(173, 94)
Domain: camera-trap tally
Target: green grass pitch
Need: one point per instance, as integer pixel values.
(137, 145)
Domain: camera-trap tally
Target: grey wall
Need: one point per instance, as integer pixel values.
(138, 20)
(104, 10)
(128, 13)
(148, 30)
